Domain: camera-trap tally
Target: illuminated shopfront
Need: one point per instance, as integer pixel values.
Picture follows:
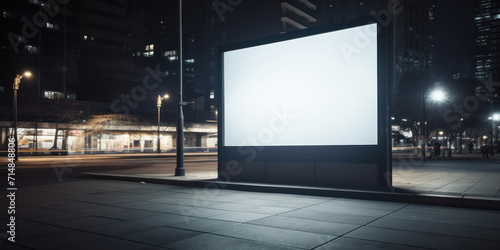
(112, 139)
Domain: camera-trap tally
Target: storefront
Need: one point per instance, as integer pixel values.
(77, 139)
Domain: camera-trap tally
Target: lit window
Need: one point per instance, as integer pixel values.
(53, 95)
(212, 94)
(31, 49)
(152, 47)
(189, 61)
(85, 37)
(52, 26)
(170, 53)
(172, 58)
(147, 47)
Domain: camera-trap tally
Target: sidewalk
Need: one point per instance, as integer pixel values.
(104, 214)
(464, 180)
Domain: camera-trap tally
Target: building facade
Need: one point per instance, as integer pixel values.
(487, 28)
(40, 37)
(111, 34)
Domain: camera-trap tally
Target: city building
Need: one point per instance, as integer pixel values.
(487, 25)
(110, 33)
(40, 37)
(461, 71)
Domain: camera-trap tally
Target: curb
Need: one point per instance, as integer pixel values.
(422, 199)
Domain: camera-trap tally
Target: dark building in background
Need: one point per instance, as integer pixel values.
(431, 59)
(461, 71)
(487, 38)
(44, 39)
(111, 45)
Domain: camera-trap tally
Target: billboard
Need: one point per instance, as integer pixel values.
(328, 93)
(307, 108)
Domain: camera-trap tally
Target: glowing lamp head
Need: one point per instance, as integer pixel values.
(27, 74)
(438, 95)
(166, 96)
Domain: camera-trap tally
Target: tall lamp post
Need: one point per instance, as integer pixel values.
(179, 169)
(158, 104)
(17, 81)
(436, 95)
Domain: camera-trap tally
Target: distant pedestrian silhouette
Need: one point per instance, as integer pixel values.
(437, 149)
(485, 150)
(471, 146)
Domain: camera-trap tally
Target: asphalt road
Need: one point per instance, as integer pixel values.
(37, 170)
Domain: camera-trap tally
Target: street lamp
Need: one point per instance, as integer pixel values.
(436, 95)
(17, 81)
(158, 104)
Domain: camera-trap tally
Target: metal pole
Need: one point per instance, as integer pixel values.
(179, 169)
(158, 139)
(422, 127)
(16, 145)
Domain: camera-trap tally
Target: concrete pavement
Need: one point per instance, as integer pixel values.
(105, 214)
(464, 180)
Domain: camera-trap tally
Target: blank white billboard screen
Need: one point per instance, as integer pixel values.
(315, 90)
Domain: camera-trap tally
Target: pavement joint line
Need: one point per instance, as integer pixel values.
(366, 224)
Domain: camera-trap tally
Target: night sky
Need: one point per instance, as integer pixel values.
(455, 34)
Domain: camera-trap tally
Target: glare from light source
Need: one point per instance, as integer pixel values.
(496, 117)
(438, 95)
(166, 96)
(27, 74)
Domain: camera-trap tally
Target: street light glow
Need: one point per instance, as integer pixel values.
(438, 95)
(166, 96)
(27, 74)
(496, 117)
